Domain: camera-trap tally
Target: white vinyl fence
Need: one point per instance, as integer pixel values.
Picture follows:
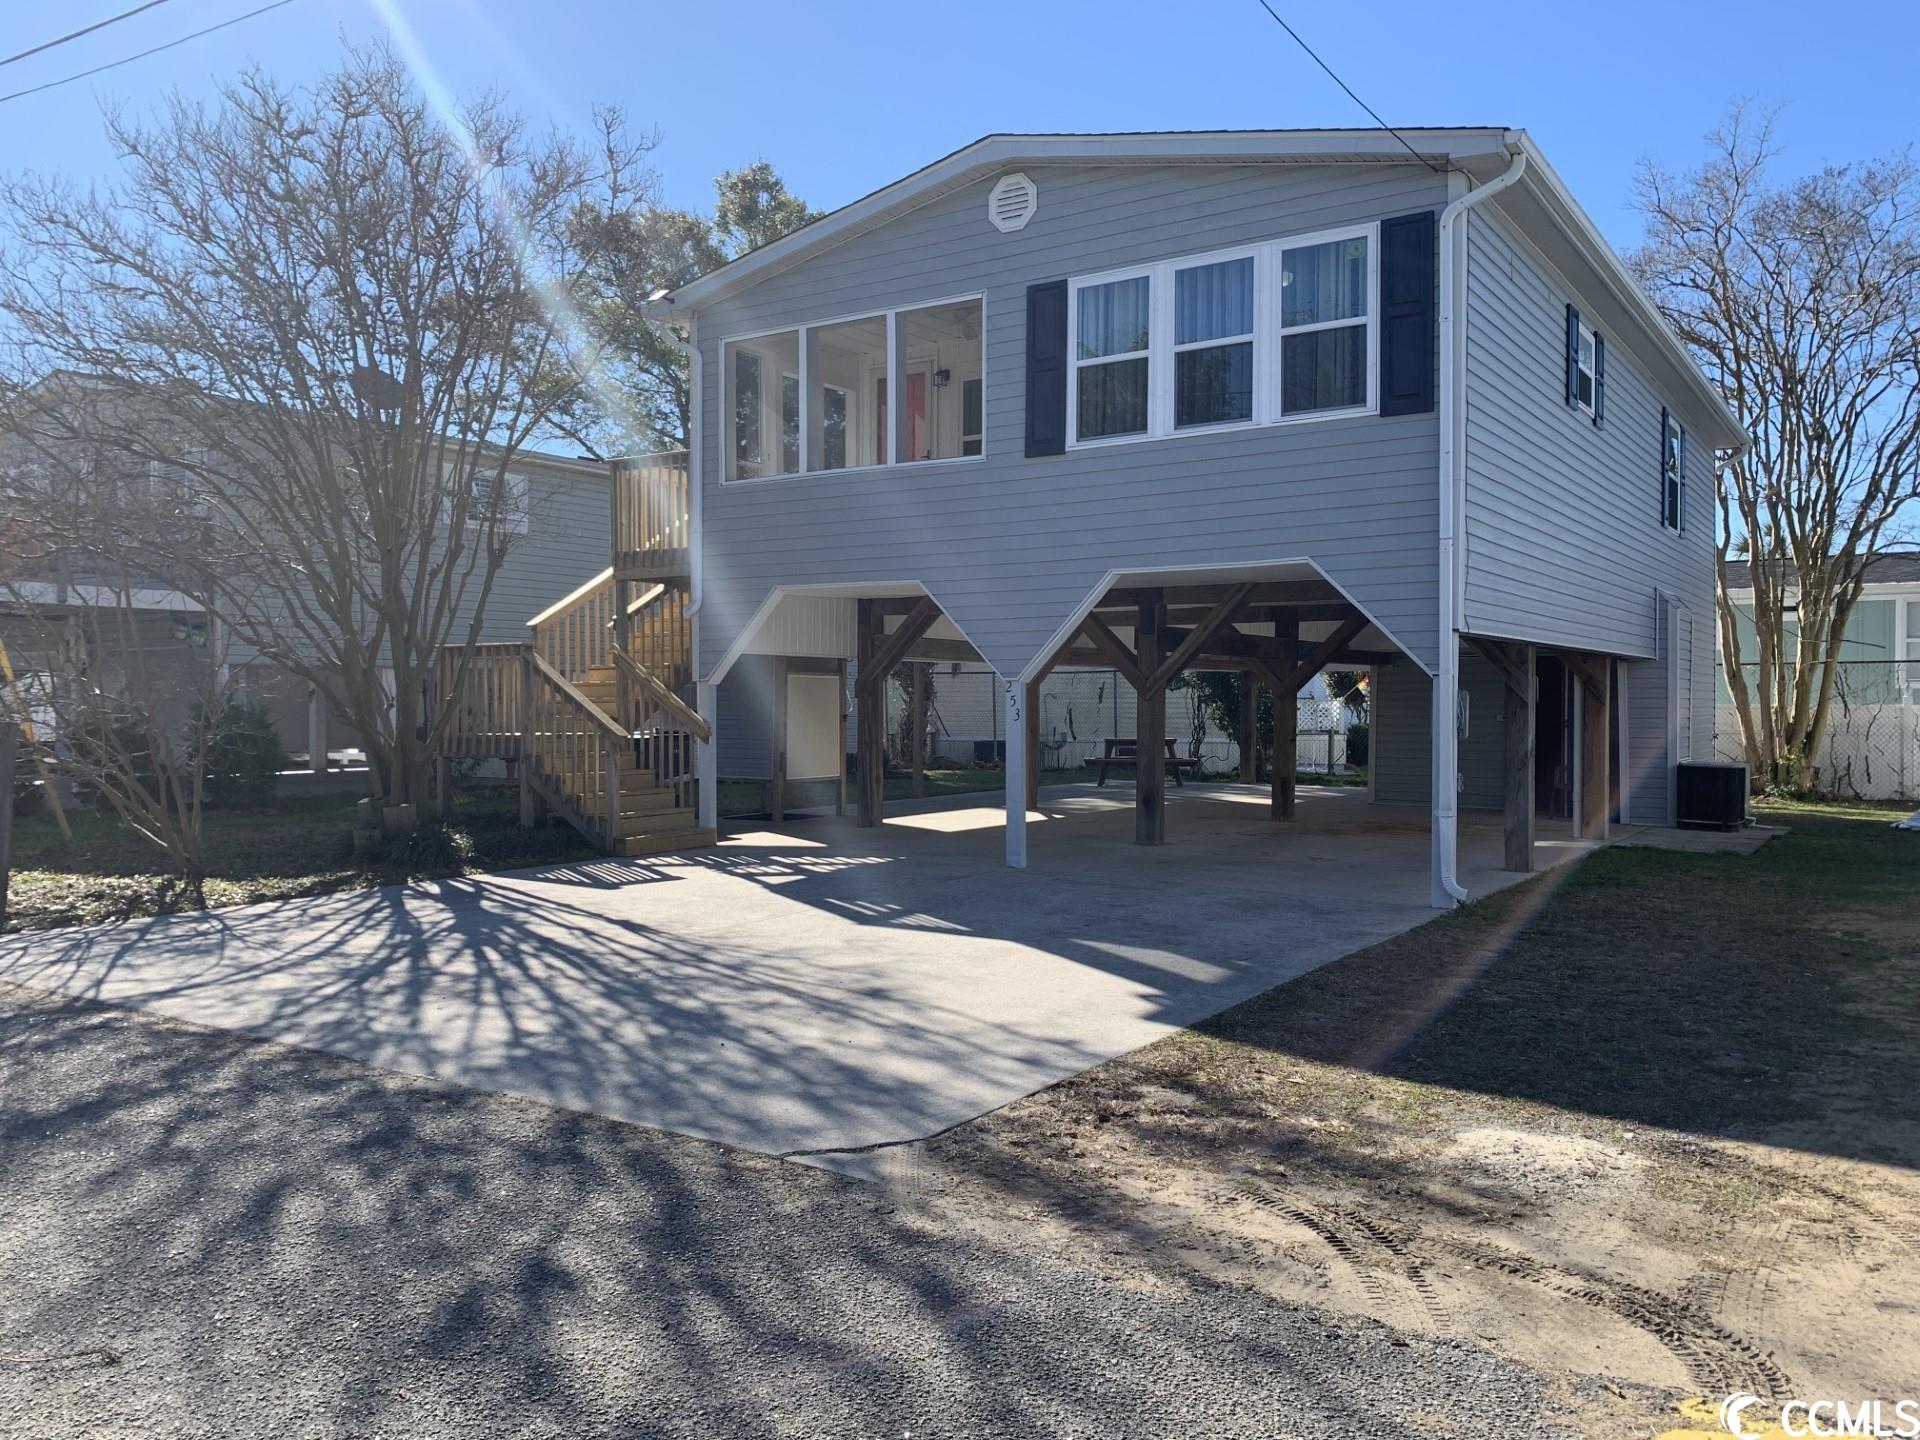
(1872, 746)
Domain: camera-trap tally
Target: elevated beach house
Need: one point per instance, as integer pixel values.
(1264, 401)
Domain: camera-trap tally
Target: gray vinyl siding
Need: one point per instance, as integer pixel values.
(1403, 736)
(567, 542)
(1564, 544)
(1010, 546)
(1564, 540)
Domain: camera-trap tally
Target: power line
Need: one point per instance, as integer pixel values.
(1348, 88)
(101, 25)
(155, 50)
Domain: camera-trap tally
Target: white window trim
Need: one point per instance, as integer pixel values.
(1589, 345)
(1267, 336)
(856, 415)
(1674, 427)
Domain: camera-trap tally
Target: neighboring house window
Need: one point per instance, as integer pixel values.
(971, 411)
(835, 406)
(1284, 330)
(1673, 473)
(511, 491)
(1913, 652)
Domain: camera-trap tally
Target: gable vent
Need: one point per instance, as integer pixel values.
(1011, 202)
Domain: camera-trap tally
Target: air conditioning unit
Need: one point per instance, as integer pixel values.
(1711, 796)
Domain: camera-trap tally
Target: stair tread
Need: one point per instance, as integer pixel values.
(659, 844)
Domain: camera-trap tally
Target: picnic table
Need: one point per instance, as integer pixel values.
(1125, 753)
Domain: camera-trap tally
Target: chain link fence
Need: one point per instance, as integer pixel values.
(1080, 710)
(1872, 746)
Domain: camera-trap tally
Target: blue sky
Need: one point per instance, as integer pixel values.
(843, 97)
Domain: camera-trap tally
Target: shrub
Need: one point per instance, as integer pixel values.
(244, 758)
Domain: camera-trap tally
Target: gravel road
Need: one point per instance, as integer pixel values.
(207, 1235)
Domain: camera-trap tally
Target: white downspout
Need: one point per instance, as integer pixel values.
(696, 478)
(1447, 891)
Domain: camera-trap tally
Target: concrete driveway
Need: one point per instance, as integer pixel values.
(813, 988)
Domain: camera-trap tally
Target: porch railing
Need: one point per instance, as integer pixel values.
(574, 634)
(486, 703)
(652, 523)
(574, 750)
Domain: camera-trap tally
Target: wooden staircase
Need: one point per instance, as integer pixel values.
(592, 709)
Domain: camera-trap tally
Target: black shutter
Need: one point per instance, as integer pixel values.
(1047, 368)
(1599, 377)
(1408, 305)
(1573, 356)
(1666, 494)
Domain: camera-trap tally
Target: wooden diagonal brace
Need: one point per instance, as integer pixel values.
(1217, 619)
(1506, 658)
(1319, 655)
(1101, 636)
(895, 647)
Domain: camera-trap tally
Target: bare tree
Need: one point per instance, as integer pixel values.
(333, 317)
(1803, 303)
(122, 708)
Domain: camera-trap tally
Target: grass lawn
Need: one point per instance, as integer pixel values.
(302, 846)
(1651, 1115)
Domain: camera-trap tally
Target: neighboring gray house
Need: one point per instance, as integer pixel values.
(1872, 744)
(1257, 400)
(560, 507)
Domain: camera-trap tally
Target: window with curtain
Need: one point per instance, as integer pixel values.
(1324, 323)
(1275, 331)
(1213, 343)
(1112, 333)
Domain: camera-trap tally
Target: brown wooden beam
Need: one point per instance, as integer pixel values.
(1267, 592)
(1515, 664)
(919, 732)
(1286, 726)
(939, 651)
(840, 700)
(1595, 737)
(1323, 651)
(1217, 619)
(870, 741)
(777, 787)
(1506, 658)
(890, 649)
(1101, 636)
(1249, 730)
(1150, 730)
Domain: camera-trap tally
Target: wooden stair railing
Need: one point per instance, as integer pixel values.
(667, 730)
(574, 751)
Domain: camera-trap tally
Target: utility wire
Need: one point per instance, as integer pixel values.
(1348, 88)
(155, 50)
(101, 25)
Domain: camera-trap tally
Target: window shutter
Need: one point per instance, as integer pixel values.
(1047, 368)
(1666, 498)
(1408, 304)
(1599, 377)
(1680, 502)
(1573, 356)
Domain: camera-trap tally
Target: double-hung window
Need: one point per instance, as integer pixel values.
(1110, 352)
(1583, 370)
(1284, 330)
(1673, 473)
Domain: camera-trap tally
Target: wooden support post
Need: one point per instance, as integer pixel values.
(1249, 728)
(870, 693)
(1031, 720)
(919, 723)
(1515, 664)
(1150, 784)
(1286, 723)
(1594, 671)
(840, 787)
(707, 764)
(777, 770)
(529, 797)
